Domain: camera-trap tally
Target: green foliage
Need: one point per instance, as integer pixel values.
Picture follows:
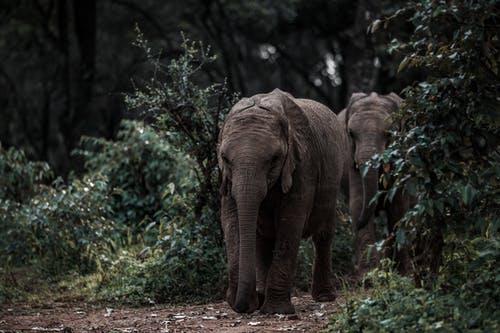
(140, 168)
(342, 251)
(447, 156)
(9, 290)
(183, 265)
(303, 273)
(186, 113)
(152, 189)
(56, 228)
(60, 228)
(19, 177)
(457, 305)
(187, 260)
(448, 153)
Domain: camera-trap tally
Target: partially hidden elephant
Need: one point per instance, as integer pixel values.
(281, 160)
(367, 122)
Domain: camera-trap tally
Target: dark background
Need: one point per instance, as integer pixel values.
(65, 64)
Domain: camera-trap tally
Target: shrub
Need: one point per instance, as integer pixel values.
(20, 178)
(140, 168)
(466, 300)
(447, 155)
(187, 114)
(187, 260)
(61, 228)
(183, 266)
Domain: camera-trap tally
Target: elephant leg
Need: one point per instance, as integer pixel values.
(365, 257)
(282, 271)
(322, 287)
(229, 220)
(264, 259)
(364, 251)
(395, 211)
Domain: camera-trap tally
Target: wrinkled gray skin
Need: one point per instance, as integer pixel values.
(367, 121)
(281, 163)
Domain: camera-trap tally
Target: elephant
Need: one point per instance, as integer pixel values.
(281, 159)
(367, 121)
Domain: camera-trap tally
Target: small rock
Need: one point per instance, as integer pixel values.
(209, 318)
(108, 313)
(254, 323)
(179, 316)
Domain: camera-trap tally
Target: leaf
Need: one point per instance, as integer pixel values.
(468, 194)
(374, 26)
(392, 192)
(149, 226)
(403, 64)
(400, 238)
(365, 168)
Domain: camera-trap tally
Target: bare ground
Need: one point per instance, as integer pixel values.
(214, 317)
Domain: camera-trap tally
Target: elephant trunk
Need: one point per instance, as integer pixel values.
(370, 187)
(248, 196)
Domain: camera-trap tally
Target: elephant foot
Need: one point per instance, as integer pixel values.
(281, 308)
(323, 296)
(262, 298)
(244, 307)
(230, 296)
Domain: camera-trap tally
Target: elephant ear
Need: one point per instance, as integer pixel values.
(299, 131)
(225, 187)
(354, 98)
(394, 98)
(396, 103)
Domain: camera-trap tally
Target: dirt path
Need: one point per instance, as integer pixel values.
(214, 317)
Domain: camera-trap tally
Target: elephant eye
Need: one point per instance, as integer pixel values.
(275, 159)
(225, 160)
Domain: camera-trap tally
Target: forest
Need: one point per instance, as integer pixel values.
(110, 185)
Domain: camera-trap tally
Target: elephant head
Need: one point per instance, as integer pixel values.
(368, 121)
(257, 151)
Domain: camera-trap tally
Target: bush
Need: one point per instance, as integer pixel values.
(185, 265)
(140, 168)
(447, 155)
(466, 300)
(185, 113)
(20, 178)
(60, 228)
(187, 260)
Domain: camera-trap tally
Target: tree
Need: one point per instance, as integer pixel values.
(68, 62)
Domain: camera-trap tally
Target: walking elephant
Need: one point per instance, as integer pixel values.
(281, 160)
(367, 122)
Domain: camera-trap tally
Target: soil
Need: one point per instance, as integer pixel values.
(214, 317)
